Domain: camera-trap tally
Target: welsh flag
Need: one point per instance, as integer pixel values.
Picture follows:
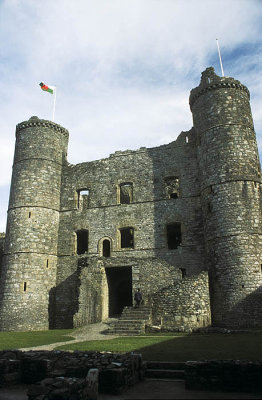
(49, 89)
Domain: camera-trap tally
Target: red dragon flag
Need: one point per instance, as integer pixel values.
(52, 90)
(49, 89)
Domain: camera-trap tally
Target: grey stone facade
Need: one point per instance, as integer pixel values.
(181, 221)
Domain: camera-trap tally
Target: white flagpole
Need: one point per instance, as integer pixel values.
(54, 103)
(220, 59)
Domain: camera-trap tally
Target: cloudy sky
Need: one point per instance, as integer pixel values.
(123, 69)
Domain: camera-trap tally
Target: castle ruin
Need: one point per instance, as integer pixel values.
(181, 221)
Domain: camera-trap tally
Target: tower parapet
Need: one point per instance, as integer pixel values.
(230, 179)
(30, 253)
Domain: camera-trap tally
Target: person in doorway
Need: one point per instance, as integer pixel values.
(138, 298)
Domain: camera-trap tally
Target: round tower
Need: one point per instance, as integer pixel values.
(230, 179)
(30, 253)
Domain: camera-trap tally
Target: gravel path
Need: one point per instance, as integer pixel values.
(90, 332)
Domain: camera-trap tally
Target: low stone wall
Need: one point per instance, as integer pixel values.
(227, 375)
(51, 370)
(66, 388)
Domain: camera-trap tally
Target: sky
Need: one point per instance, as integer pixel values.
(123, 69)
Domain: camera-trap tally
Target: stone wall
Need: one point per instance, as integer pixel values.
(224, 375)
(183, 306)
(47, 371)
(30, 257)
(230, 179)
(153, 264)
(2, 242)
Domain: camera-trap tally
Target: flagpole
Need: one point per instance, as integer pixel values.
(220, 59)
(54, 104)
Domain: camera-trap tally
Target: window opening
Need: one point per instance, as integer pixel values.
(25, 286)
(82, 241)
(183, 272)
(127, 238)
(126, 193)
(174, 236)
(186, 139)
(83, 198)
(29, 214)
(47, 263)
(106, 248)
(172, 187)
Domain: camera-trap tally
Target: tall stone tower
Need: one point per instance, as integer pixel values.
(30, 254)
(230, 179)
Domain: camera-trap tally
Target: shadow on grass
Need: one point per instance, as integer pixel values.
(246, 346)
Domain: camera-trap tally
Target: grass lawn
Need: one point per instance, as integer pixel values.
(18, 340)
(181, 347)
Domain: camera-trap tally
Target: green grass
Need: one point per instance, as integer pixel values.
(177, 346)
(181, 347)
(18, 340)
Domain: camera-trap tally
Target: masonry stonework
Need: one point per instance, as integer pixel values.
(181, 221)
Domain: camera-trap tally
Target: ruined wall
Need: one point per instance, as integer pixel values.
(153, 264)
(183, 306)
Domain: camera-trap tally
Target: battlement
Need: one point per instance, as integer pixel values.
(211, 81)
(34, 121)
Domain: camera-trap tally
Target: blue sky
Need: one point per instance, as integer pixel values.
(123, 69)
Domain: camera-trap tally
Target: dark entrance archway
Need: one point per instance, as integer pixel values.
(119, 280)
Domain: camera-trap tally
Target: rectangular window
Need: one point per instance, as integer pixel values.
(126, 193)
(172, 187)
(174, 235)
(82, 241)
(82, 198)
(127, 238)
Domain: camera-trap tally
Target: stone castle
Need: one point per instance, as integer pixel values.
(181, 221)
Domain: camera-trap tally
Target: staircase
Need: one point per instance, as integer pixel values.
(132, 321)
(165, 370)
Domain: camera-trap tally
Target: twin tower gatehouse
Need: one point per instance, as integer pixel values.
(181, 221)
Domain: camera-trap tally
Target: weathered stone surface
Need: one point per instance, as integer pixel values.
(80, 375)
(181, 221)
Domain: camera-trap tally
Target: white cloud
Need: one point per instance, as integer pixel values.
(123, 68)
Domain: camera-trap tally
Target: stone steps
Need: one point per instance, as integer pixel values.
(132, 321)
(165, 370)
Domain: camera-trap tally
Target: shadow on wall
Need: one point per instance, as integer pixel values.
(64, 302)
(75, 301)
(251, 306)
